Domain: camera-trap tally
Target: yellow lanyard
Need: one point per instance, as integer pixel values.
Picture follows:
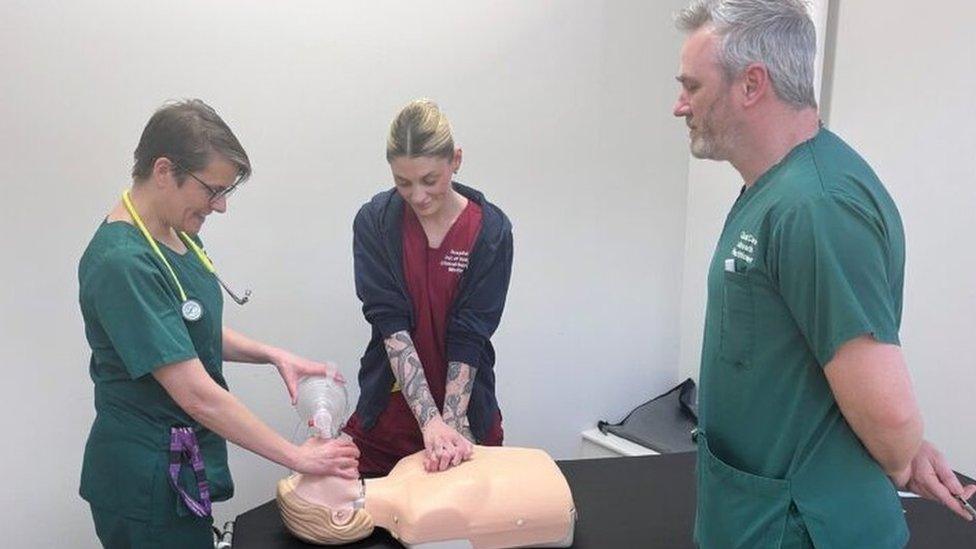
(152, 244)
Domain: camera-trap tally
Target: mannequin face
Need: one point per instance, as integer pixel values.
(331, 518)
(338, 495)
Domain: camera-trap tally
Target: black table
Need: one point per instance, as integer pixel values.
(626, 502)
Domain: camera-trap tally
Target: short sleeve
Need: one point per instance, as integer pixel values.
(830, 257)
(138, 311)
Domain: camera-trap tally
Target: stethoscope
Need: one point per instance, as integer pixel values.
(191, 309)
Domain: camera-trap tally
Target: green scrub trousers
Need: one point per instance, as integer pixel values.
(117, 531)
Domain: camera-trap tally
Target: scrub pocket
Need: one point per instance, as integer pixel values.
(738, 319)
(123, 472)
(737, 509)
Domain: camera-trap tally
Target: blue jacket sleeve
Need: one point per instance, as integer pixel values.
(384, 304)
(479, 309)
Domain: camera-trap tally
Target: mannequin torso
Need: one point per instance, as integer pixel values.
(502, 497)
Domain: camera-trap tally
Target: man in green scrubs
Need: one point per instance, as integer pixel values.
(152, 308)
(808, 421)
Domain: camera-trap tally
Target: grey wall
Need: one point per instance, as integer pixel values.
(901, 93)
(562, 109)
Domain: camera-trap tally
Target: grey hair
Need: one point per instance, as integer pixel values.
(777, 33)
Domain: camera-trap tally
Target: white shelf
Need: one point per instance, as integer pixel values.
(595, 444)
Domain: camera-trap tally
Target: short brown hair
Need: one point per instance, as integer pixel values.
(187, 132)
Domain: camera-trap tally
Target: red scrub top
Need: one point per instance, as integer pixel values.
(432, 276)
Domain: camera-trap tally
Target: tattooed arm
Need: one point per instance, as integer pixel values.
(460, 380)
(410, 377)
(443, 445)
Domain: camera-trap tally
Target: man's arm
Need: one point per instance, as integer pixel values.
(444, 445)
(874, 392)
(460, 380)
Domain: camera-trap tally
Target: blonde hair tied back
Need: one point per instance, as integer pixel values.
(420, 129)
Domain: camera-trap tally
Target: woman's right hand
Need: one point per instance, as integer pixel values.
(444, 446)
(336, 457)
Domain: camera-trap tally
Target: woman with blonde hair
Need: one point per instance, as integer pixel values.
(432, 264)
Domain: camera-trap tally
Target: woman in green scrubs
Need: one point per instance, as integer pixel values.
(152, 304)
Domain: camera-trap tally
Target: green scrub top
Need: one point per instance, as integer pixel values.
(133, 323)
(811, 256)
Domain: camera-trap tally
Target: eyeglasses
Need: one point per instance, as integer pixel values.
(216, 193)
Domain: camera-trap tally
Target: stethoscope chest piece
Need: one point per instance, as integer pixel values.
(192, 310)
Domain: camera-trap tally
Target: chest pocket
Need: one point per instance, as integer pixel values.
(738, 319)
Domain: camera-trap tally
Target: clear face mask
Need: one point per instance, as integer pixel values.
(323, 404)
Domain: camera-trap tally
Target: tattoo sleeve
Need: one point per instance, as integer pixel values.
(409, 374)
(460, 380)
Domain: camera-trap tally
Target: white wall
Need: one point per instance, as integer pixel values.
(901, 93)
(563, 112)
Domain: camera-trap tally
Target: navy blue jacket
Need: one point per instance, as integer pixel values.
(387, 306)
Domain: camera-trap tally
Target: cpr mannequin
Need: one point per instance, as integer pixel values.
(501, 497)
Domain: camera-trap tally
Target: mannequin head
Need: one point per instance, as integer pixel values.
(323, 522)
